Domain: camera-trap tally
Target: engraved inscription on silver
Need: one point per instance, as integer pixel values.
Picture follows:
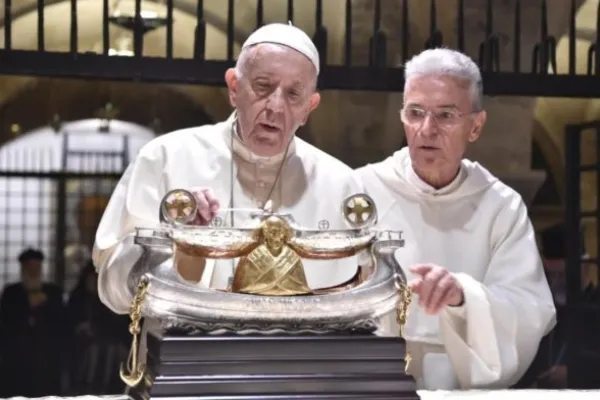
(323, 224)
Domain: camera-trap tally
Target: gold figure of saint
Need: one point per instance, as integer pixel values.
(273, 267)
(270, 254)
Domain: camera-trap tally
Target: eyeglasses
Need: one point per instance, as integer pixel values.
(444, 118)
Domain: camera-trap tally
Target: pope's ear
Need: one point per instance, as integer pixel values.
(315, 100)
(232, 84)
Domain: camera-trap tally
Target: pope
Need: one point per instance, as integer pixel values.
(244, 162)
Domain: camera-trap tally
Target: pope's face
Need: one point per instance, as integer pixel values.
(439, 121)
(273, 97)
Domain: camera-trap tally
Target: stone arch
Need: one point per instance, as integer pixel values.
(24, 28)
(25, 7)
(74, 100)
(57, 39)
(31, 201)
(212, 100)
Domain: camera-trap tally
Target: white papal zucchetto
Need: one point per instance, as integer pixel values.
(285, 35)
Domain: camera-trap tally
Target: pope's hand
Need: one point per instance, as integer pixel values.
(208, 205)
(436, 288)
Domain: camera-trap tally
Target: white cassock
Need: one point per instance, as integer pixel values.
(311, 188)
(478, 229)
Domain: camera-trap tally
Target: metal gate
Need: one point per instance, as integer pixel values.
(379, 74)
(53, 201)
(582, 249)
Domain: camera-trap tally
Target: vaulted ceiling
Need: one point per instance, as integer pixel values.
(25, 19)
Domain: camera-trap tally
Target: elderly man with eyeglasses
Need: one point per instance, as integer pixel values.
(481, 301)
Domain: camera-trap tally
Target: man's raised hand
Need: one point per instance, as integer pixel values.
(436, 288)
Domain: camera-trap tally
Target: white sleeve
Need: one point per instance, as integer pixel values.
(493, 338)
(134, 203)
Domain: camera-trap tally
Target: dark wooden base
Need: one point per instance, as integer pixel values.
(276, 367)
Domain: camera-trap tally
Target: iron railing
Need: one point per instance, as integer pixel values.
(538, 79)
(583, 304)
(52, 199)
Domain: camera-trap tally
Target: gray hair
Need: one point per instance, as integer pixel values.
(240, 64)
(447, 62)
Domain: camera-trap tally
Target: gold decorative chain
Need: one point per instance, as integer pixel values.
(134, 372)
(404, 300)
(402, 306)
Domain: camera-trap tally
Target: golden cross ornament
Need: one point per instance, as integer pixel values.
(180, 206)
(359, 209)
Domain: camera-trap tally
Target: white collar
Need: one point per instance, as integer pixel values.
(240, 149)
(424, 187)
